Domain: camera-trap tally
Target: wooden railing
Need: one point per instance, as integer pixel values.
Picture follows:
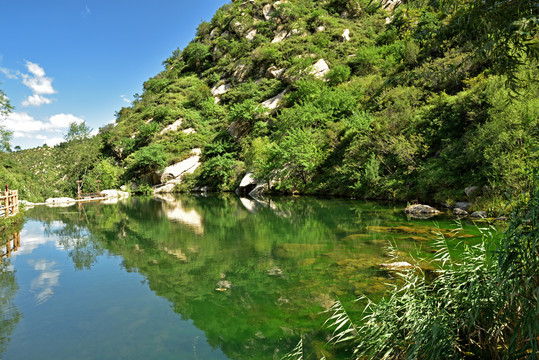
(12, 244)
(9, 202)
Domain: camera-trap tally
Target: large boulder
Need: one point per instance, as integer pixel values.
(421, 211)
(472, 190)
(187, 166)
(319, 69)
(464, 205)
(460, 212)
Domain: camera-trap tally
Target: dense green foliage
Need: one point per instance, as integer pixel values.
(418, 103)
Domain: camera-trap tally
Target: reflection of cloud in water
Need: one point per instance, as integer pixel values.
(44, 283)
(32, 237)
(175, 211)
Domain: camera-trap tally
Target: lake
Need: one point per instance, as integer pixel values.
(195, 277)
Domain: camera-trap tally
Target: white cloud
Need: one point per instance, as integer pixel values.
(35, 69)
(62, 121)
(21, 123)
(36, 80)
(124, 98)
(24, 125)
(53, 141)
(36, 100)
(86, 11)
(10, 74)
(39, 85)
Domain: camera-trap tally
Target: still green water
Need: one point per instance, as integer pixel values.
(189, 277)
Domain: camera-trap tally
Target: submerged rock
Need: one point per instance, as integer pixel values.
(397, 265)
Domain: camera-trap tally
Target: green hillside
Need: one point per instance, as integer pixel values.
(412, 103)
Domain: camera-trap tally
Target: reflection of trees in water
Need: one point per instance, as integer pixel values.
(281, 257)
(9, 314)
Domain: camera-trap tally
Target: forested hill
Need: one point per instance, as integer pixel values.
(411, 102)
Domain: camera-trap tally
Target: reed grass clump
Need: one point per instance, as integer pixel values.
(482, 305)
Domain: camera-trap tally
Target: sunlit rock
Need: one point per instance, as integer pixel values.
(421, 211)
(345, 35)
(272, 103)
(319, 69)
(251, 35)
(172, 127)
(187, 166)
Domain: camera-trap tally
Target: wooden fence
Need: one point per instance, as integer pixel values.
(9, 202)
(13, 242)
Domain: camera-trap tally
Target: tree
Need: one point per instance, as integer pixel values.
(5, 134)
(5, 106)
(77, 131)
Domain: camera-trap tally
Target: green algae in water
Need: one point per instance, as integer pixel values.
(243, 279)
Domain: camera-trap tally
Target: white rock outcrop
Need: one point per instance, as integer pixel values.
(219, 90)
(345, 35)
(272, 103)
(319, 69)
(251, 34)
(280, 36)
(187, 166)
(172, 127)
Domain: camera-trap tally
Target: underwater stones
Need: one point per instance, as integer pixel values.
(400, 265)
(422, 211)
(354, 237)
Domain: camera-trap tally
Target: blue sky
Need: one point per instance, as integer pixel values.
(72, 60)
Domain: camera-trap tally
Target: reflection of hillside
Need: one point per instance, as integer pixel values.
(175, 211)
